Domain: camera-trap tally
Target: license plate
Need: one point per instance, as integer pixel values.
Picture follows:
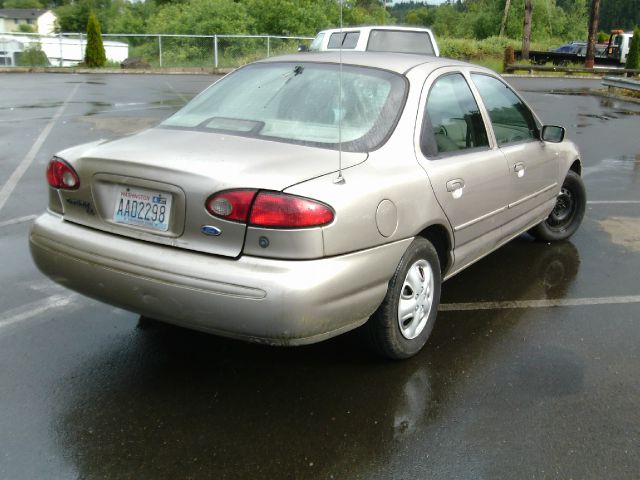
(144, 208)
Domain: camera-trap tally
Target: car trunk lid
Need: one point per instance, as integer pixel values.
(180, 170)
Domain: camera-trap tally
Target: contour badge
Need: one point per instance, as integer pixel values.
(211, 230)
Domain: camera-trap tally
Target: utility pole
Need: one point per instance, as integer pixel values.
(593, 32)
(526, 28)
(503, 24)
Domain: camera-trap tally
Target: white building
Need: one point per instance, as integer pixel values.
(41, 21)
(60, 51)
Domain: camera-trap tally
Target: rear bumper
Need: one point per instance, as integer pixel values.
(283, 302)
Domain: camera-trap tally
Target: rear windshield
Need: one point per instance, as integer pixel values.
(300, 103)
(400, 41)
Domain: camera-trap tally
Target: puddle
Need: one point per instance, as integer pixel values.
(623, 231)
(88, 82)
(39, 105)
(120, 125)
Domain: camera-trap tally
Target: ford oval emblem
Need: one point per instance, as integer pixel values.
(211, 230)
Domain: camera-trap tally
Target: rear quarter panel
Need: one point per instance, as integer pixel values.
(391, 175)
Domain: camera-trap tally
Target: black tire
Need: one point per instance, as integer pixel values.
(384, 330)
(568, 213)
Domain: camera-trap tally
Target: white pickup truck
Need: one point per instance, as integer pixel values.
(377, 39)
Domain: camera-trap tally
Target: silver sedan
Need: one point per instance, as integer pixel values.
(304, 196)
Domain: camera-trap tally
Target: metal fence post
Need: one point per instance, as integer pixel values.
(215, 51)
(60, 44)
(268, 45)
(160, 49)
(81, 47)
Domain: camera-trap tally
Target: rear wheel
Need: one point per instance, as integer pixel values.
(403, 322)
(566, 216)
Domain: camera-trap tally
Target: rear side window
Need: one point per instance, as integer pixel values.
(452, 121)
(512, 121)
(343, 39)
(400, 41)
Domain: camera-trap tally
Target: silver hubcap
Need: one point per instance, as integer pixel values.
(416, 299)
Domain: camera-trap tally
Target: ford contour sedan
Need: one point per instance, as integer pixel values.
(304, 196)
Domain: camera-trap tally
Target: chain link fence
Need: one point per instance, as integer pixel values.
(143, 50)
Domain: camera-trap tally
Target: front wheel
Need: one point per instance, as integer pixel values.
(566, 216)
(403, 322)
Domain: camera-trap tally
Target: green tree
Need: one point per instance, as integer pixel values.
(23, 4)
(94, 55)
(202, 17)
(421, 16)
(292, 17)
(633, 57)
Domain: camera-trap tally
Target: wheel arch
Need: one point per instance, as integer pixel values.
(441, 240)
(576, 166)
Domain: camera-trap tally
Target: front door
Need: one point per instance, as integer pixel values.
(533, 164)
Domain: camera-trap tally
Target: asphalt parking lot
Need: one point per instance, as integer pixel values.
(533, 369)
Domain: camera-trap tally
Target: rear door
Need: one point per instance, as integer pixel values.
(469, 176)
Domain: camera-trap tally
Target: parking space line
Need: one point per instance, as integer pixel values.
(10, 185)
(182, 97)
(547, 303)
(15, 221)
(34, 309)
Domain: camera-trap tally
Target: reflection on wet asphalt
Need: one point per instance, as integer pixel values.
(91, 392)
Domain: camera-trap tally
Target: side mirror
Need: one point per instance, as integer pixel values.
(553, 133)
(303, 48)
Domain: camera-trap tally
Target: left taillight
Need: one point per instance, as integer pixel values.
(279, 210)
(61, 175)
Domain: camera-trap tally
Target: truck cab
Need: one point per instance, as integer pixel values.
(377, 39)
(619, 44)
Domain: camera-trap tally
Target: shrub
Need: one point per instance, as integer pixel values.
(32, 56)
(509, 57)
(94, 55)
(633, 58)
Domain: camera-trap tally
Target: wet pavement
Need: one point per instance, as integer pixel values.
(532, 370)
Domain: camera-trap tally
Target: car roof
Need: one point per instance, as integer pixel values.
(395, 62)
(375, 27)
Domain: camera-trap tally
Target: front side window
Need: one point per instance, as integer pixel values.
(511, 119)
(452, 121)
(300, 103)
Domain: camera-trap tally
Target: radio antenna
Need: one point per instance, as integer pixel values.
(340, 179)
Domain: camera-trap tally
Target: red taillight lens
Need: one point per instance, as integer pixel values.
(231, 205)
(279, 210)
(61, 175)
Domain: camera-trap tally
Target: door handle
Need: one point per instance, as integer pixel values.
(456, 184)
(519, 169)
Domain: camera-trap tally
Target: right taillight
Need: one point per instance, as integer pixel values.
(269, 209)
(61, 175)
